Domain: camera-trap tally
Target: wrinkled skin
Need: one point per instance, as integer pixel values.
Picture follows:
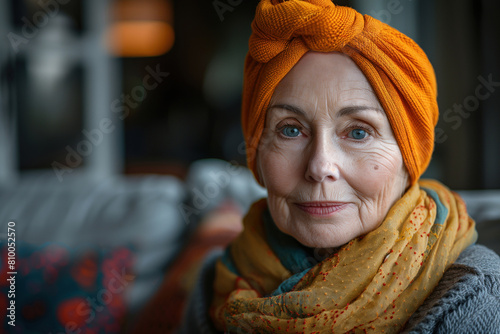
(328, 139)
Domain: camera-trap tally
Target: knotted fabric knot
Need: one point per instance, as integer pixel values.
(320, 24)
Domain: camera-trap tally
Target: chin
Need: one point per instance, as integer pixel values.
(330, 235)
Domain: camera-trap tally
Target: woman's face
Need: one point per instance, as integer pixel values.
(328, 156)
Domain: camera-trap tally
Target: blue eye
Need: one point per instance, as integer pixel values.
(358, 134)
(290, 131)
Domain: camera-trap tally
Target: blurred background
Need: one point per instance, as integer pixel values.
(150, 86)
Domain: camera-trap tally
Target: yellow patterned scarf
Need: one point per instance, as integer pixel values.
(372, 284)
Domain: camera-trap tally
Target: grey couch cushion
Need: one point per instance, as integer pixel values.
(137, 212)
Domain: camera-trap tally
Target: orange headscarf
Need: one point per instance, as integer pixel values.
(396, 67)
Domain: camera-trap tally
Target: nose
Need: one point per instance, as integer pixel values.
(323, 161)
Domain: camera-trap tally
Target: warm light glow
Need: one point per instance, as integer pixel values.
(140, 38)
(149, 10)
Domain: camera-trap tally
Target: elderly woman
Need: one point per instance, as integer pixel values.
(338, 114)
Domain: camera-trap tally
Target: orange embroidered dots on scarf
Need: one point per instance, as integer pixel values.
(396, 67)
(373, 284)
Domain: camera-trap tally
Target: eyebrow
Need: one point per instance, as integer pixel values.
(346, 111)
(289, 108)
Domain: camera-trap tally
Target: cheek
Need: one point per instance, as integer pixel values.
(280, 165)
(376, 171)
(278, 172)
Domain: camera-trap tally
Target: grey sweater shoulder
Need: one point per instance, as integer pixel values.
(466, 300)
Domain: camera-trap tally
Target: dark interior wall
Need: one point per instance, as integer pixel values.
(457, 65)
(490, 66)
(466, 62)
(197, 116)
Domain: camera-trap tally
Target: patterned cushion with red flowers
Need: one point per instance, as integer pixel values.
(59, 290)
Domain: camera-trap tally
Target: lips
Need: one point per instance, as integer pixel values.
(322, 209)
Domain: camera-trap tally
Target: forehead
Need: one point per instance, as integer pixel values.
(326, 77)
